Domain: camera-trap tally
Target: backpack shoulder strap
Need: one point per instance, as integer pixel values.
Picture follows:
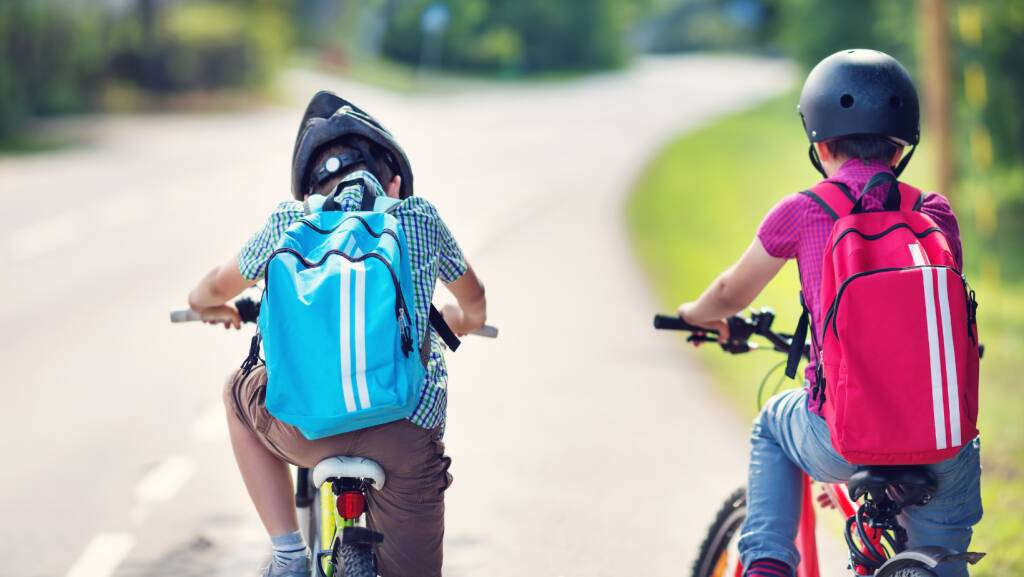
(385, 204)
(834, 198)
(911, 198)
(443, 330)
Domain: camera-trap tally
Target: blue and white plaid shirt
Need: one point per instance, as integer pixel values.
(433, 254)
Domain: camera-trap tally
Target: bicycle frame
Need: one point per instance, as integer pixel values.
(331, 521)
(835, 494)
(806, 541)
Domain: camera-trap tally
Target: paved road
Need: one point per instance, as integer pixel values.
(583, 443)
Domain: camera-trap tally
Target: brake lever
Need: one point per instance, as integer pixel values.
(696, 339)
(738, 347)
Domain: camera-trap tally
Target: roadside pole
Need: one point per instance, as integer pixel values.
(433, 23)
(938, 97)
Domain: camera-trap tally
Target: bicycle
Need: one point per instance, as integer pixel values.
(873, 535)
(330, 498)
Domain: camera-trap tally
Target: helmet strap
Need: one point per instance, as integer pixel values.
(812, 153)
(898, 169)
(371, 160)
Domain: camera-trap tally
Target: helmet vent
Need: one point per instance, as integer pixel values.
(895, 102)
(846, 100)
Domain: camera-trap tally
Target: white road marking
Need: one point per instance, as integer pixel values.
(45, 236)
(160, 484)
(211, 424)
(165, 480)
(60, 231)
(102, 555)
(117, 211)
(248, 551)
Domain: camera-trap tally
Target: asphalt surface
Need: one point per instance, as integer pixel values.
(584, 443)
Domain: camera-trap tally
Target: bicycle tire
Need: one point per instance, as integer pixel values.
(357, 560)
(911, 570)
(727, 521)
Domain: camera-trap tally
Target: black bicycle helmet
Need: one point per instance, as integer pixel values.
(330, 118)
(860, 92)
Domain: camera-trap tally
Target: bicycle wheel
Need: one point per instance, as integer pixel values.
(357, 560)
(717, 556)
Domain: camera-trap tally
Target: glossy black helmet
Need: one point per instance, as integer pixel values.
(330, 119)
(860, 92)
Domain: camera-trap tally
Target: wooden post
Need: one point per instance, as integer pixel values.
(938, 94)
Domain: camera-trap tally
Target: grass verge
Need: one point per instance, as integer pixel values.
(696, 207)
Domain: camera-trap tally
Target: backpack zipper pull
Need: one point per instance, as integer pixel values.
(972, 316)
(403, 326)
(253, 357)
(818, 394)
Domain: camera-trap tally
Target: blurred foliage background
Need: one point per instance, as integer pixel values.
(69, 56)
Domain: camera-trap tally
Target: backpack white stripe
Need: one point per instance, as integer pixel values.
(949, 352)
(360, 330)
(350, 246)
(938, 403)
(346, 338)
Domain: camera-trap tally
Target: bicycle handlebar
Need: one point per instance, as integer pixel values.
(740, 331)
(674, 323)
(249, 311)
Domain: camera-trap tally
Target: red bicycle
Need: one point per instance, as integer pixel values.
(870, 502)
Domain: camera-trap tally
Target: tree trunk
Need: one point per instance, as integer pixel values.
(938, 94)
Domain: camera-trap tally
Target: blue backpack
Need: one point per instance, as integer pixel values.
(338, 321)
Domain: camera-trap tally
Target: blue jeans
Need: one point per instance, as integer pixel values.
(788, 439)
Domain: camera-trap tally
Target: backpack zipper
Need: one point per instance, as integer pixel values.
(401, 310)
(830, 317)
(369, 229)
(879, 235)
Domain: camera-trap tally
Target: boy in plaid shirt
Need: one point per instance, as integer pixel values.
(352, 155)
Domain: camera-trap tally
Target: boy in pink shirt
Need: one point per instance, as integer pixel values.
(860, 111)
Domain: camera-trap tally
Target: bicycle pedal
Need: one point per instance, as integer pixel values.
(361, 536)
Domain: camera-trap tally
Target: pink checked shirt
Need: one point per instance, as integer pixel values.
(798, 228)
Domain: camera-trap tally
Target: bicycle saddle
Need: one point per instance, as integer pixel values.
(342, 467)
(905, 484)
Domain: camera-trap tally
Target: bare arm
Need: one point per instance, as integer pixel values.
(219, 286)
(733, 290)
(471, 312)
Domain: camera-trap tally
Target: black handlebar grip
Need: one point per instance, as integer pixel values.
(248, 309)
(674, 323)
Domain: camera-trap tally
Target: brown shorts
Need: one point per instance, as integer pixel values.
(409, 511)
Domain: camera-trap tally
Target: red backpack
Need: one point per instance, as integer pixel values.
(898, 361)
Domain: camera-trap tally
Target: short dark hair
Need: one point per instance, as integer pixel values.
(380, 165)
(863, 146)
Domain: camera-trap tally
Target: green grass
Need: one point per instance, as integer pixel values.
(405, 78)
(33, 144)
(696, 207)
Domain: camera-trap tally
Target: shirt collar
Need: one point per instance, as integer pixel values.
(368, 179)
(355, 183)
(855, 173)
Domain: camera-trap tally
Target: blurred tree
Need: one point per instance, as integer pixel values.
(685, 25)
(204, 44)
(519, 35)
(52, 60)
(809, 30)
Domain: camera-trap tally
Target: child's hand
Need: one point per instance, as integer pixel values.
(224, 314)
(719, 326)
(455, 318)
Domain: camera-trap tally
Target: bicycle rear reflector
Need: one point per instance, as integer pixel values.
(351, 504)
